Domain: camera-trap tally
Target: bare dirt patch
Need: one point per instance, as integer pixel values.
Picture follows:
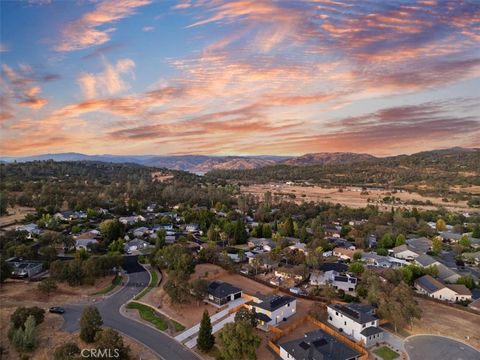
(350, 196)
(161, 176)
(438, 319)
(15, 214)
(15, 292)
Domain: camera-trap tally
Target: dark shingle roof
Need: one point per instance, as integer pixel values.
(273, 302)
(371, 330)
(429, 284)
(222, 289)
(318, 345)
(359, 313)
(263, 317)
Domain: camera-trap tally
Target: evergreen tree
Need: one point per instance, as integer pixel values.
(90, 324)
(205, 339)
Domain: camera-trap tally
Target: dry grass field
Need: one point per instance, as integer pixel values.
(350, 196)
(15, 214)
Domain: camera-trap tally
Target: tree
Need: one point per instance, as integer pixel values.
(111, 229)
(199, 289)
(177, 287)
(467, 280)
(476, 232)
(400, 240)
(237, 341)
(437, 245)
(25, 339)
(266, 231)
(67, 351)
(110, 340)
(5, 270)
(205, 339)
(20, 315)
(90, 324)
(288, 227)
(464, 241)
(247, 315)
(47, 286)
(239, 234)
(357, 256)
(213, 234)
(356, 268)
(441, 225)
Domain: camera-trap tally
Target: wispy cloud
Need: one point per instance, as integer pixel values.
(87, 31)
(108, 82)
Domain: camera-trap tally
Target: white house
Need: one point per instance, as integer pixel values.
(357, 321)
(427, 285)
(130, 220)
(404, 252)
(272, 309)
(84, 243)
(339, 281)
(192, 227)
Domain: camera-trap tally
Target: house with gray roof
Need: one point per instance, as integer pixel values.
(317, 345)
(357, 321)
(221, 293)
(436, 289)
(420, 245)
(272, 309)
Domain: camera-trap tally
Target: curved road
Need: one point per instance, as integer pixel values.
(432, 347)
(165, 347)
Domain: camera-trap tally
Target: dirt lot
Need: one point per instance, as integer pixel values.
(50, 337)
(13, 292)
(15, 214)
(351, 196)
(438, 319)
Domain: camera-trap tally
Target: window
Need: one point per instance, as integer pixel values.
(336, 313)
(345, 323)
(363, 326)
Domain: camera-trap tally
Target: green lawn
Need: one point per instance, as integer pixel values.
(386, 353)
(178, 326)
(148, 314)
(115, 282)
(153, 283)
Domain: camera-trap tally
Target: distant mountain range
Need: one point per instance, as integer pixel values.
(203, 164)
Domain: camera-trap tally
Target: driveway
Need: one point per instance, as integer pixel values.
(160, 343)
(431, 347)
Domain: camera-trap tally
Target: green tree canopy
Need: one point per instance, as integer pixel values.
(90, 324)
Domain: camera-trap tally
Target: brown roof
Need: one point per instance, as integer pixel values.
(460, 289)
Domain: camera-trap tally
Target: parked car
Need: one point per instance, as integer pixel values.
(56, 310)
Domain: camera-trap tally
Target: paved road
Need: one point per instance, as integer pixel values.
(164, 346)
(431, 347)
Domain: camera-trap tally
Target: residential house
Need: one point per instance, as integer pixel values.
(342, 243)
(475, 305)
(135, 245)
(300, 247)
(263, 243)
(131, 220)
(317, 345)
(472, 257)
(427, 285)
(70, 215)
(84, 243)
(141, 231)
(289, 272)
(338, 267)
(339, 281)
(24, 268)
(221, 293)
(32, 229)
(445, 274)
(332, 231)
(372, 241)
(404, 252)
(356, 320)
(449, 236)
(192, 228)
(344, 254)
(420, 245)
(272, 309)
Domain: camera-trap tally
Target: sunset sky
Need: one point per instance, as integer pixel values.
(239, 77)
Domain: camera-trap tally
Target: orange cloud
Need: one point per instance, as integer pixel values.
(85, 31)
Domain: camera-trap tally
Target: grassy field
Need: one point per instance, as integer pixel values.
(177, 325)
(148, 314)
(386, 354)
(153, 284)
(117, 280)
